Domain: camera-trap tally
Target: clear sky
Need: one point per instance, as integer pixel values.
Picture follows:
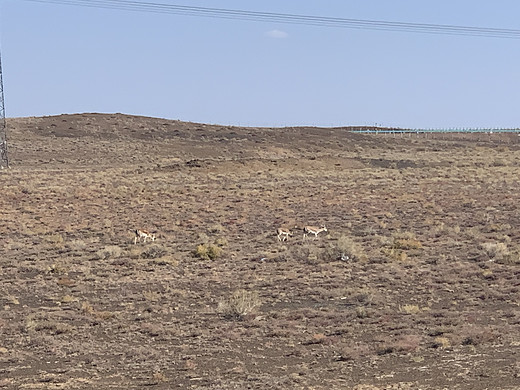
(70, 59)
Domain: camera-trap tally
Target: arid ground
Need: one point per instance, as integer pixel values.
(415, 284)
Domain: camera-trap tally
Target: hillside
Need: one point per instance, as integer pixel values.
(415, 284)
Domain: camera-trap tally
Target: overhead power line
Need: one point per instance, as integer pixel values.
(308, 20)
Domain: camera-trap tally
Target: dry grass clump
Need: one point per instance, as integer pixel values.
(240, 304)
(211, 251)
(410, 309)
(441, 342)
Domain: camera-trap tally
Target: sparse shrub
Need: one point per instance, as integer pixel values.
(498, 162)
(316, 338)
(404, 344)
(52, 327)
(39, 323)
(102, 315)
(351, 249)
(397, 246)
(495, 250)
(152, 330)
(109, 252)
(160, 377)
(408, 343)
(58, 269)
(203, 237)
(442, 229)
(496, 227)
(364, 296)
(87, 307)
(474, 335)
(292, 253)
(500, 252)
(352, 352)
(473, 233)
(55, 240)
(329, 253)
(135, 251)
(9, 298)
(221, 242)
(395, 254)
(240, 304)
(68, 299)
(362, 312)
(308, 253)
(153, 252)
(166, 260)
(216, 228)
(344, 249)
(77, 245)
(406, 241)
(28, 188)
(152, 296)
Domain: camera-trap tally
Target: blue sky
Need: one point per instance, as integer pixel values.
(69, 59)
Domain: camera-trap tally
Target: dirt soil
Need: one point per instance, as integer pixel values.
(414, 285)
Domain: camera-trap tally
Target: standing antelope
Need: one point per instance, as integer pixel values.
(313, 230)
(283, 234)
(144, 234)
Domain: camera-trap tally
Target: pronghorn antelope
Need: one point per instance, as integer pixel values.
(144, 234)
(283, 234)
(313, 230)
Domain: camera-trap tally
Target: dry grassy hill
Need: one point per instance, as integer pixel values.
(415, 285)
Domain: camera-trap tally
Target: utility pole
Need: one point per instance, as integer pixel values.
(4, 160)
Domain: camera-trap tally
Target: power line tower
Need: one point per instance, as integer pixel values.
(4, 160)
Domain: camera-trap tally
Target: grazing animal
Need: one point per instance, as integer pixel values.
(144, 234)
(283, 234)
(313, 230)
